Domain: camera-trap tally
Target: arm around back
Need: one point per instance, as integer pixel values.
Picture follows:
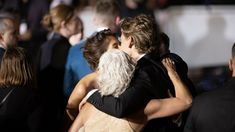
(82, 88)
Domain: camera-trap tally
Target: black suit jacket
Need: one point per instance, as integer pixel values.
(213, 111)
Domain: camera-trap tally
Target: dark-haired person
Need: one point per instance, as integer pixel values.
(19, 106)
(94, 47)
(182, 69)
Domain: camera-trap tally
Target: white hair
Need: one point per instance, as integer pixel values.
(115, 71)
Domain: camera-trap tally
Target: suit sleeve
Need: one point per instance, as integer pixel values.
(133, 99)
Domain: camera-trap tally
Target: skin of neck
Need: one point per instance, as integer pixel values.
(135, 54)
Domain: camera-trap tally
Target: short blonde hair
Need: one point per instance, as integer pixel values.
(115, 71)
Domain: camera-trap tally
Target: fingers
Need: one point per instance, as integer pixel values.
(168, 63)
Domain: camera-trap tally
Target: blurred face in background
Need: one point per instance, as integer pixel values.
(10, 36)
(73, 26)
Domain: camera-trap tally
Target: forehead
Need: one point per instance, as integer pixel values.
(10, 25)
(112, 39)
(6, 25)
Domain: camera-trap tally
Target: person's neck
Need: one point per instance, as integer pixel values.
(137, 56)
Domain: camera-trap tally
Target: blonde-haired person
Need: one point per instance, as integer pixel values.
(19, 106)
(63, 22)
(114, 73)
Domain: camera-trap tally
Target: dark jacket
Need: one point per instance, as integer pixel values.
(213, 111)
(53, 56)
(20, 111)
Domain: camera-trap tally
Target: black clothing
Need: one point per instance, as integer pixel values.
(20, 111)
(182, 70)
(213, 111)
(53, 56)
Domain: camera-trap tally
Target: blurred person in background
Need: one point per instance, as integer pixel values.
(63, 22)
(214, 111)
(132, 8)
(31, 32)
(19, 106)
(8, 32)
(182, 69)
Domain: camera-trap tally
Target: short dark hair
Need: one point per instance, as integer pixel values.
(164, 43)
(95, 46)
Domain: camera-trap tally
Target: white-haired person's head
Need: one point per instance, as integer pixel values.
(115, 71)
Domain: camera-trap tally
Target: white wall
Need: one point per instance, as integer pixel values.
(202, 36)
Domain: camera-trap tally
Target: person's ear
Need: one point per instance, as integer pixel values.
(1, 38)
(131, 42)
(62, 25)
(117, 20)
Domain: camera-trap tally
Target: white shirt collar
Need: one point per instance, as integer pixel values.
(101, 28)
(141, 56)
(2, 46)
